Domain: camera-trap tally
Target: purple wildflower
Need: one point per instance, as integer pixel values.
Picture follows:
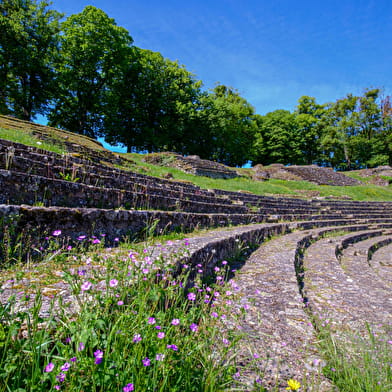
(161, 335)
(175, 321)
(81, 346)
(98, 356)
(159, 357)
(194, 327)
(49, 367)
(65, 367)
(119, 303)
(60, 377)
(146, 362)
(56, 233)
(136, 338)
(172, 347)
(81, 237)
(96, 241)
(151, 320)
(128, 388)
(86, 286)
(73, 359)
(191, 296)
(113, 283)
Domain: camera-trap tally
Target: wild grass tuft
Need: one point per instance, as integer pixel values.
(356, 363)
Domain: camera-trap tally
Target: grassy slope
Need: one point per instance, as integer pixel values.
(26, 133)
(273, 186)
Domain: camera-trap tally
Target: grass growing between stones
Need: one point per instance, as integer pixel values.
(111, 322)
(358, 363)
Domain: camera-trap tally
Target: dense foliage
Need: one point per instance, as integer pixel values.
(85, 75)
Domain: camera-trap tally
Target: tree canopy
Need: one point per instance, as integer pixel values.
(29, 34)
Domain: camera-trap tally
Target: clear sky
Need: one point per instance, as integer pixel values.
(271, 51)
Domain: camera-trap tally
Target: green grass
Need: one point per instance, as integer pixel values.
(270, 187)
(358, 363)
(28, 139)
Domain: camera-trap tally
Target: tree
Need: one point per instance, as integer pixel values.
(93, 52)
(229, 121)
(149, 108)
(341, 120)
(370, 116)
(356, 133)
(309, 117)
(278, 139)
(29, 34)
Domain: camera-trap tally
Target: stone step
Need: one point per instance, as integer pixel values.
(353, 257)
(21, 188)
(334, 295)
(379, 257)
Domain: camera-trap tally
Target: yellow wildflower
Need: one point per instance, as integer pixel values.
(293, 385)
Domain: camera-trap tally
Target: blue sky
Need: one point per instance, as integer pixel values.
(272, 51)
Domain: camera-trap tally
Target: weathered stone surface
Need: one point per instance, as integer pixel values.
(192, 164)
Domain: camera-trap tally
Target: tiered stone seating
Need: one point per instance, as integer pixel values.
(379, 257)
(350, 299)
(355, 259)
(29, 177)
(330, 259)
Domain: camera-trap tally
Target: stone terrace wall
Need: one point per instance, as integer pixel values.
(114, 223)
